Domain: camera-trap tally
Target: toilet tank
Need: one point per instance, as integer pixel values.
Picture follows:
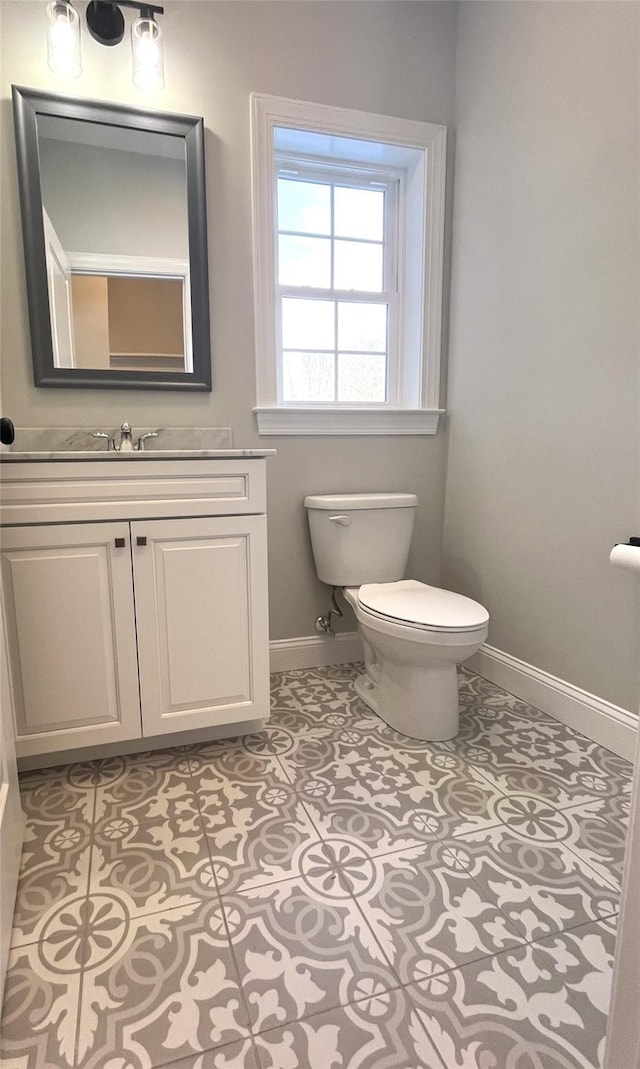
(360, 538)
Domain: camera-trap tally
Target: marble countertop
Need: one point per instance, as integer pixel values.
(169, 443)
(14, 455)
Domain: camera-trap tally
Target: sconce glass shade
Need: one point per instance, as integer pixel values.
(63, 39)
(147, 54)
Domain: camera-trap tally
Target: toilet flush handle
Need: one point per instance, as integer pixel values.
(344, 521)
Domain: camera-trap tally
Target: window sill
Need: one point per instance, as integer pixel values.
(347, 421)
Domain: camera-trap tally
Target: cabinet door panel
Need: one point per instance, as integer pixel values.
(71, 635)
(200, 588)
(11, 815)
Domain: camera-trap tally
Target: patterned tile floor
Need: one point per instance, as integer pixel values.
(326, 894)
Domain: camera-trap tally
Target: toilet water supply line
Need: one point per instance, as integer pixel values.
(323, 623)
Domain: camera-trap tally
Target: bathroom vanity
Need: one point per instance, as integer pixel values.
(135, 589)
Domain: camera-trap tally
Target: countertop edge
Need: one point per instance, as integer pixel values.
(66, 456)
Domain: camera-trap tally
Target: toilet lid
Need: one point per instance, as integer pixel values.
(420, 605)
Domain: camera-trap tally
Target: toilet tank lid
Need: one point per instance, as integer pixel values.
(349, 502)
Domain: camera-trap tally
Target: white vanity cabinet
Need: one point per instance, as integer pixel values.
(136, 599)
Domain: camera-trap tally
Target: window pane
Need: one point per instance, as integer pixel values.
(362, 327)
(359, 213)
(304, 206)
(358, 266)
(362, 377)
(304, 261)
(307, 324)
(308, 377)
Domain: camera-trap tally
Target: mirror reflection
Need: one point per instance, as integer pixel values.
(115, 216)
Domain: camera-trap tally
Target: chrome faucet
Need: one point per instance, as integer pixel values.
(126, 444)
(126, 441)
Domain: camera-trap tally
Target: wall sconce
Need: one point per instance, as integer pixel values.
(105, 23)
(147, 53)
(63, 39)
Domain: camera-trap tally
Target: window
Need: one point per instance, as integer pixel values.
(336, 285)
(348, 213)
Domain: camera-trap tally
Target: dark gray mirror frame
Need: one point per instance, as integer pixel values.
(28, 104)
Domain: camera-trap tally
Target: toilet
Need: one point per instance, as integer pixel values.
(413, 635)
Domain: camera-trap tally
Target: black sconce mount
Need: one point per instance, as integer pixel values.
(105, 20)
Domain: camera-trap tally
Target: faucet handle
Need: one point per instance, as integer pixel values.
(141, 439)
(126, 428)
(101, 434)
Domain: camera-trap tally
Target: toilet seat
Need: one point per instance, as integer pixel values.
(425, 608)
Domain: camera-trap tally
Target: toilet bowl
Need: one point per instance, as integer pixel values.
(414, 635)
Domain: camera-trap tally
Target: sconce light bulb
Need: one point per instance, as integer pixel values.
(61, 34)
(63, 39)
(147, 54)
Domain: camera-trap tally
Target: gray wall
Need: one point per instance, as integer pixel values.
(543, 378)
(395, 58)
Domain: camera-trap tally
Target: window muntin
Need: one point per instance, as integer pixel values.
(336, 283)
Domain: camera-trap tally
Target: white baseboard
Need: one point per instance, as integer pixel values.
(599, 720)
(313, 651)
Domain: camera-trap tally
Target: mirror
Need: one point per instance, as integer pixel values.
(114, 224)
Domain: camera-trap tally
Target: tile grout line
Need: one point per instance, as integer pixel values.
(345, 884)
(224, 921)
(84, 928)
(614, 887)
(223, 911)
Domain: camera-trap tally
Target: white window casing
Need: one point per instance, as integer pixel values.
(410, 157)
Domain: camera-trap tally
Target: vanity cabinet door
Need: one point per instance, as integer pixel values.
(201, 610)
(71, 635)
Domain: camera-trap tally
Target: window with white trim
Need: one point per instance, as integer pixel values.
(348, 212)
(336, 282)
